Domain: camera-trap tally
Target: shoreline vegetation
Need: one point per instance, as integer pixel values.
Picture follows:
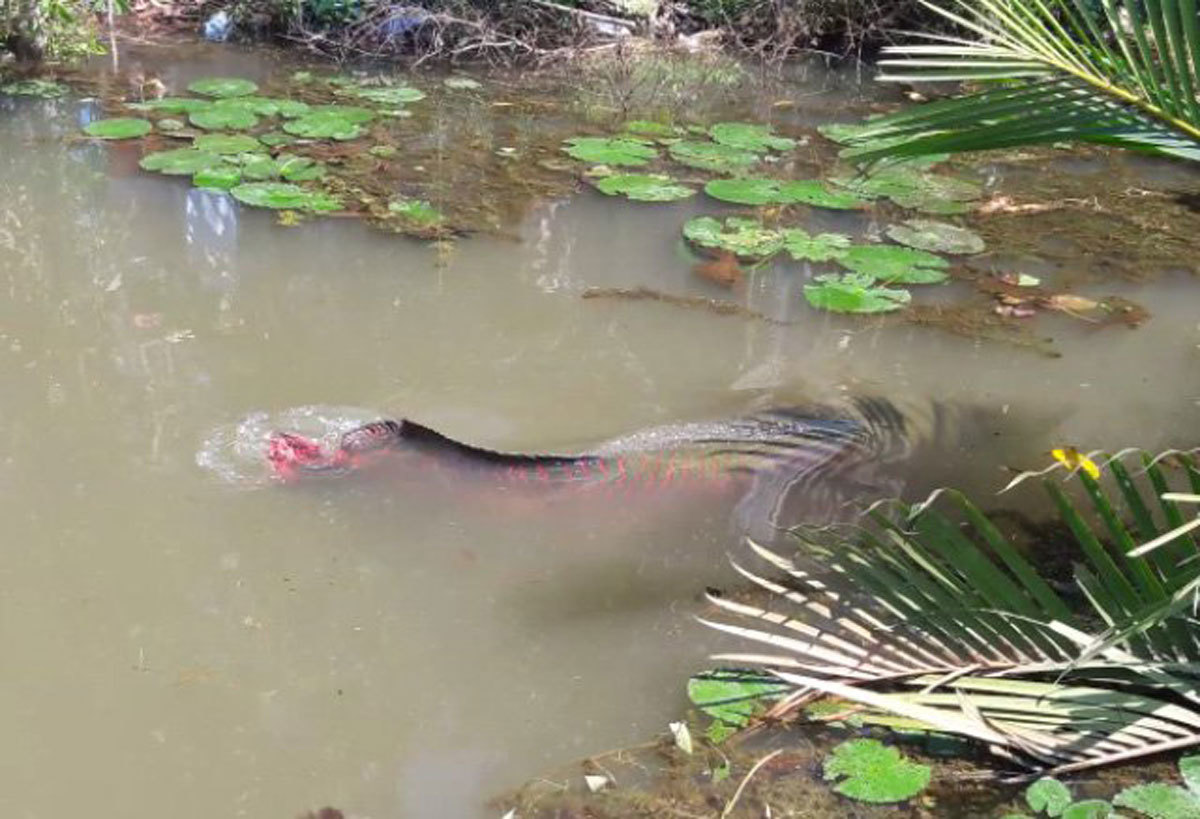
(507, 32)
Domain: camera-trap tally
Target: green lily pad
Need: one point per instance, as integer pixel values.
(259, 167)
(875, 772)
(417, 211)
(895, 265)
(274, 139)
(223, 87)
(712, 156)
(171, 105)
(1048, 795)
(227, 143)
(351, 113)
(758, 191)
(223, 118)
(1160, 801)
(842, 133)
(611, 150)
(461, 83)
(816, 193)
(650, 128)
(180, 162)
(938, 237)
(644, 188)
(854, 293)
(1089, 809)
(42, 89)
(323, 125)
(218, 177)
(118, 128)
(930, 205)
(1189, 769)
(823, 247)
(733, 696)
(749, 137)
(911, 188)
(390, 95)
(300, 168)
(747, 238)
(284, 196)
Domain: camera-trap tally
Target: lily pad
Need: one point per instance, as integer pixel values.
(223, 87)
(938, 237)
(390, 95)
(323, 125)
(733, 696)
(43, 89)
(1089, 809)
(284, 196)
(747, 238)
(823, 247)
(712, 156)
(644, 188)
(759, 191)
(218, 177)
(854, 293)
(875, 772)
(650, 128)
(118, 128)
(227, 143)
(895, 265)
(749, 137)
(351, 113)
(259, 167)
(171, 105)
(611, 150)
(417, 211)
(180, 162)
(1160, 801)
(1048, 795)
(223, 118)
(911, 188)
(300, 168)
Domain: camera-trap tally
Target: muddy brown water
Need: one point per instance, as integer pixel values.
(177, 645)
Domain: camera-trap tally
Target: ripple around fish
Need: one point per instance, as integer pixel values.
(236, 453)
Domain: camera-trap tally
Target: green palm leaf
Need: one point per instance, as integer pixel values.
(926, 617)
(1051, 70)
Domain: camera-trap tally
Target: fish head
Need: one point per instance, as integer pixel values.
(293, 456)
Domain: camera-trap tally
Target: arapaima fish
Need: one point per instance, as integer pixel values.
(826, 455)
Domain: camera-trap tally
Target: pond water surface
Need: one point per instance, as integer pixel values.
(178, 645)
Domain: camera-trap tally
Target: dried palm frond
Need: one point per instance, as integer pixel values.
(928, 621)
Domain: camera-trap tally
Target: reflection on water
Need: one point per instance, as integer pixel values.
(176, 646)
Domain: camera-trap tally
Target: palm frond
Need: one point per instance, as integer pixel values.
(1054, 70)
(927, 617)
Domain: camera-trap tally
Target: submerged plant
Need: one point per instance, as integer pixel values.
(930, 622)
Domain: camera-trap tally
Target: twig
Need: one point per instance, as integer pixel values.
(628, 25)
(729, 806)
(721, 308)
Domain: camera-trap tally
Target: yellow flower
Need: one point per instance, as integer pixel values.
(1072, 458)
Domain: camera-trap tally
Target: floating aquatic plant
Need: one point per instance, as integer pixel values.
(854, 293)
(644, 187)
(1048, 795)
(909, 187)
(324, 125)
(938, 237)
(732, 697)
(179, 162)
(390, 95)
(218, 177)
(275, 139)
(894, 264)
(611, 150)
(712, 156)
(118, 128)
(874, 772)
(223, 118)
(650, 128)
(823, 247)
(171, 105)
(760, 191)
(223, 87)
(43, 89)
(417, 211)
(1161, 801)
(747, 238)
(284, 196)
(227, 143)
(749, 137)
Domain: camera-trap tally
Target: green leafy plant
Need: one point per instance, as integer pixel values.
(1120, 72)
(1159, 800)
(222, 87)
(854, 293)
(937, 237)
(932, 620)
(712, 156)
(732, 697)
(118, 128)
(284, 196)
(226, 143)
(1048, 795)
(760, 191)
(416, 211)
(746, 238)
(823, 247)
(869, 771)
(894, 264)
(611, 150)
(644, 188)
(179, 162)
(747, 136)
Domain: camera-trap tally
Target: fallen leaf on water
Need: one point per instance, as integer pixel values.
(1073, 459)
(1071, 304)
(683, 737)
(723, 270)
(596, 782)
